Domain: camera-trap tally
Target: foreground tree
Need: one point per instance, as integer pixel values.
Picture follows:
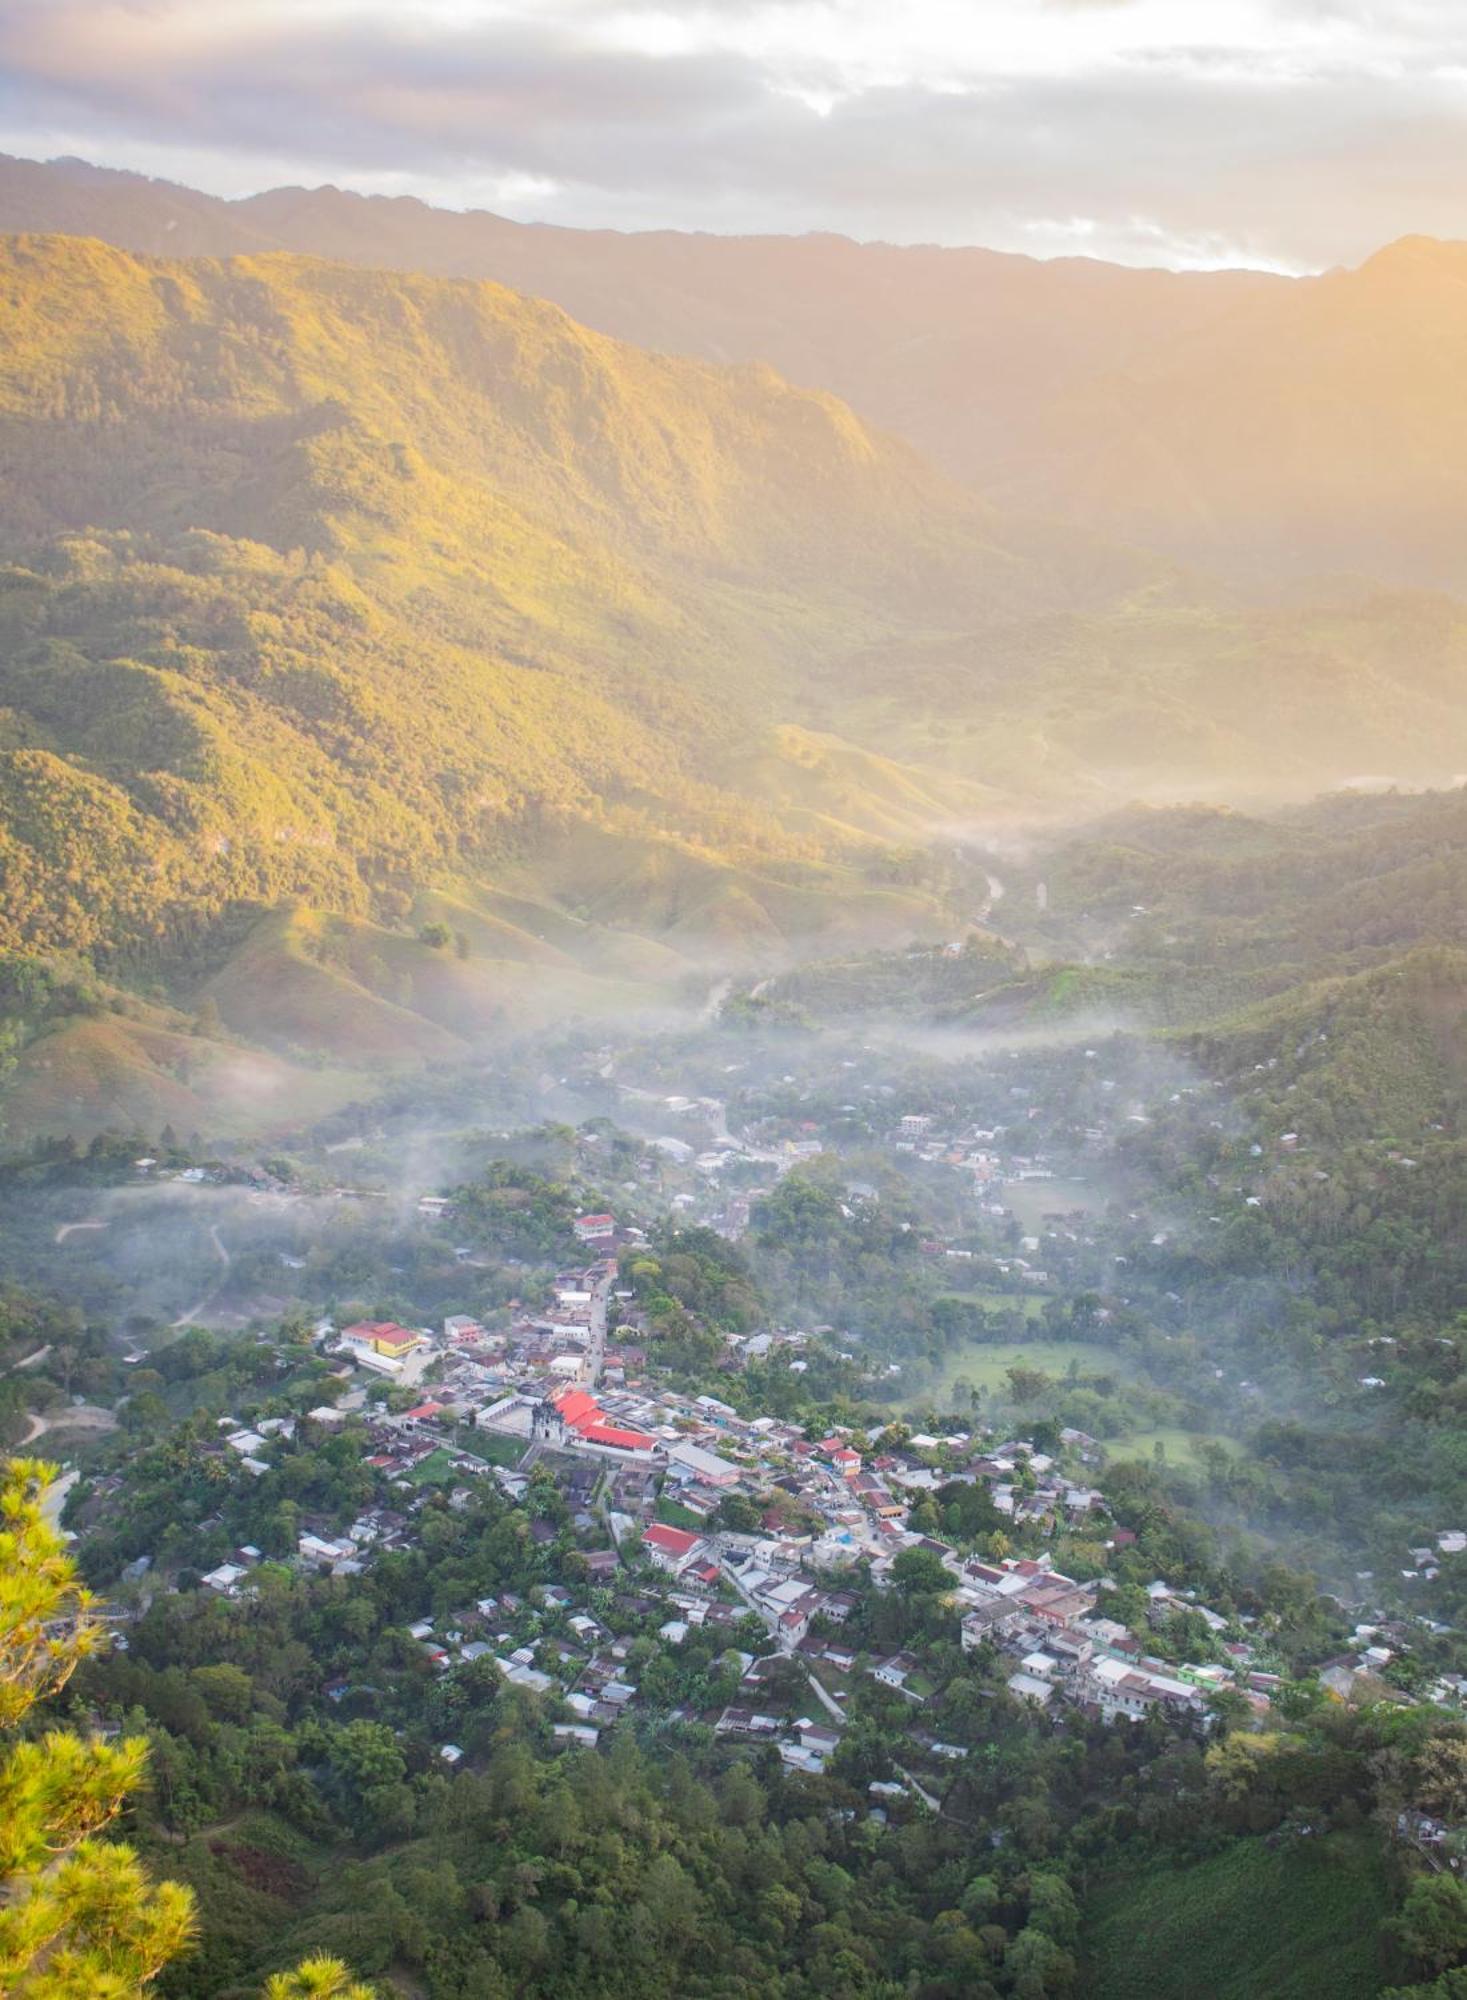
(80, 1918)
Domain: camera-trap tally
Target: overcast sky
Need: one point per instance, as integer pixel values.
(1287, 133)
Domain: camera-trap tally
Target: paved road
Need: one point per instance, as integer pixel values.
(932, 1804)
(823, 1694)
(600, 1310)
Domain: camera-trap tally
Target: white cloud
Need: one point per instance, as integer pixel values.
(1289, 133)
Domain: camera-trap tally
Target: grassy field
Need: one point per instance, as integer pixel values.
(1182, 1447)
(435, 1470)
(1030, 1304)
(1030, 1201)
(1252, 1923)
(985, 1363)
(492, 1446)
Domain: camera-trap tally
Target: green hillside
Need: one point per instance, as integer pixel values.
(1379, 1055)
(1290, 1923)
(337, 606)
(1313, 960)
(1145, 401)
(999, 337)
(1216, 909)
(324, 580)
(87, 1075)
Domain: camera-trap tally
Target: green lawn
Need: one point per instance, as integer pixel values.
(435, 1470)
(985, 1363)
(1252, 1923)
(1030, 1304)
(1030, 1201)
(1182, 1447)
(492, 1446)
(672, 1515)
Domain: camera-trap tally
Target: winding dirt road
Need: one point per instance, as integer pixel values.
(188, 1318)
(70, 1228)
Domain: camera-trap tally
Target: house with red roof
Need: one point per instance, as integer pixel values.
(385, 1348)
(672, 1548)
(588, 1424)
(577, 1407)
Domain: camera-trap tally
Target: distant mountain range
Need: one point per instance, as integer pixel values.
(1267, 428)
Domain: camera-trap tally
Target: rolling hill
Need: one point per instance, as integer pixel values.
(1337, 885)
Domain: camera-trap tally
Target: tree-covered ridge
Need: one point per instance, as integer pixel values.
(255, 743)
(307, 404)
(1067, 387)
(1347, 875)
(327, 583)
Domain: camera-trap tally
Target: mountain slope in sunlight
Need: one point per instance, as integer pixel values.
(1162, 699)
(322, 580)
(1268, 428)
(339, 606)
(958, 350)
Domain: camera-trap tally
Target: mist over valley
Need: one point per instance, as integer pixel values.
(733, 1040)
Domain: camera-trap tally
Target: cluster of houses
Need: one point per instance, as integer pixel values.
(640, 1460)
(827, 1503)
(738, 1514)
(655, 1469)
(545, 1644)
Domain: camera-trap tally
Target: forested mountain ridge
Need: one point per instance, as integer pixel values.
(956, 349)
(324, 579)
(282, 400)
(1272, 429)
(331, 592)
(1339, 885)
